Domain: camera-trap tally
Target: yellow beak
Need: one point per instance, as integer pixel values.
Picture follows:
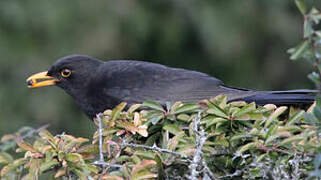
(41, 79)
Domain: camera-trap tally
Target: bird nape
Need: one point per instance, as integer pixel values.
(96, 85)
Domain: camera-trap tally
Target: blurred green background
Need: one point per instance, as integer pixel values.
(243, 43)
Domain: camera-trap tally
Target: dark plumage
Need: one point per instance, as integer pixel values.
(97, 85)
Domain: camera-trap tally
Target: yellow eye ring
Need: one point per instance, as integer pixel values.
(65, 73)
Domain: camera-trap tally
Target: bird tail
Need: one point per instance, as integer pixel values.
(289, 97)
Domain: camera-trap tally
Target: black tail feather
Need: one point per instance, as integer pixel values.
(290, 97)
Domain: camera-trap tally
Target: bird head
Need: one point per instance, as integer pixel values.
(70, 73)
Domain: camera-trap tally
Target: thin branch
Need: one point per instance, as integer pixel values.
(101, 160)
(198, 160)
(283, 151)
(208, 170)
(100, 133)
(154, 148)
(236, 173)
(107, 164)
(30, 133)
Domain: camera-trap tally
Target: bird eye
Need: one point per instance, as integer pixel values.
(65, 73)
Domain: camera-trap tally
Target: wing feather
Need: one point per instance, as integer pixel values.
(139, 81)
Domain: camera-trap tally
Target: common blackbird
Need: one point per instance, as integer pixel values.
(96, 85)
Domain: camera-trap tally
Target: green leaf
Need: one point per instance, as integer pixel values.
(271, 138)
(81, 174)
(315, 77)
(46, 135)
(274, 115)
(124, 158)
(173, 142)
(207, 119)
(13, 166)
(314, 11)
(5, 158)
(238, 103)
(261, 157)
(142, 175)
(26, 146)
(172, 128)
(89, 149)
(222, 142)
(317, 112)
(92, 168)
(156, 119)
(145, 154)
(6, 169)
(141, 170)
(318, 100)
(61, 155)
(295, 118)
(307, 28)
(248, 146)
(133, 108)
(184, 117)
(152, 139)
(220, 101)
(245, 109)
(68, 147)
(271, 130)
(291, 139)
(310, 118)
(186, 108)
(216, 121)
(240, 136)
(216, 110)
(116, 112)
(318, 33)
(47, 165)
(153, 105)
(289, 128)
(254, 132)
(301, 6)
(299, 50)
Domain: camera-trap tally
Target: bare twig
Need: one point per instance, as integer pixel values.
(283, 151)
(236, 173)
(30, 133)
(154, 148)
(208, 170)
(107, 164)
(100, 133)
(101, 160)
(198, 161)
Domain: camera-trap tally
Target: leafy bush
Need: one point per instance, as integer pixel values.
(212, 138)
(310, 50)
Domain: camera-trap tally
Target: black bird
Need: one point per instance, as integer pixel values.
(96, 85)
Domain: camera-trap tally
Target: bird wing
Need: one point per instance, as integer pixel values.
(135, 82)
